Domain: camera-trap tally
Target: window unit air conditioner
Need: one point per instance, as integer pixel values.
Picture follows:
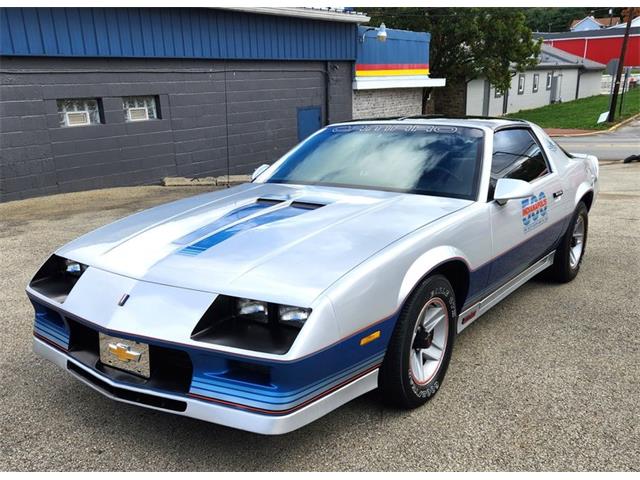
(76, 119)
(138, 114)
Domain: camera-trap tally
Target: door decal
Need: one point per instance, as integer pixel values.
(534, 211)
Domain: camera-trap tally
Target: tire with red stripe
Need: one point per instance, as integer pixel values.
(420, 348)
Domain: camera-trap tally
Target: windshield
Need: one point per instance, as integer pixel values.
(422, 159)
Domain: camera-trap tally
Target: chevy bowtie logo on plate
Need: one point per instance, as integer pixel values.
(124, 352)
(127, 355)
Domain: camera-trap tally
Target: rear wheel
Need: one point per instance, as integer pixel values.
(421, 345)
(568, 257)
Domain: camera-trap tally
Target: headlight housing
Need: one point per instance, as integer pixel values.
(57, 277)
(251, 324)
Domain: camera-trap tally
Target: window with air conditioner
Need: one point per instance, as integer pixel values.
(78, 112)
(140, 109)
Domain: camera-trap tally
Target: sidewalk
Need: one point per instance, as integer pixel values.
(568, 131)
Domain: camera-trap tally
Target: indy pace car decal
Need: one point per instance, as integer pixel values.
(534, 211)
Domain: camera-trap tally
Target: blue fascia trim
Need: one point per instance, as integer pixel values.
(272, 398)
(292, 382)
(49, 324)
(295, 382)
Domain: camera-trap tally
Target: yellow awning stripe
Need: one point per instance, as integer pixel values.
(388, 73)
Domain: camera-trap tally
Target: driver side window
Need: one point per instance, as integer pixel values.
(516, 154)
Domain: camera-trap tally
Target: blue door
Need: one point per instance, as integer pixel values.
(309, 121)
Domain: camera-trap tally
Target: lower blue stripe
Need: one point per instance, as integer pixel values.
(490, 276)
(210, 388)
(62, 336)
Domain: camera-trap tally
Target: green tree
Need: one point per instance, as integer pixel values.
(544, 19)
(467, 43)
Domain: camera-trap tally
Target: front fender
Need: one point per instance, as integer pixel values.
(589, 181)
(425, 263)
(586, 186)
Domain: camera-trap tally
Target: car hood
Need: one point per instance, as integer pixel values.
(275, 242)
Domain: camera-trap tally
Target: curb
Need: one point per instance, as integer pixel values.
(597, 132)
(223, 180)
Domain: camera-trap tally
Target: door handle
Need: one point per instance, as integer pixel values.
(557, 194)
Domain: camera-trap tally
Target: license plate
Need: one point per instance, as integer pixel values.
(125, 354)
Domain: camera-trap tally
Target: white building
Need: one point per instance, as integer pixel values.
(559, 77)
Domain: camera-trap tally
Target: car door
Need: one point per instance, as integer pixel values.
(523, 230)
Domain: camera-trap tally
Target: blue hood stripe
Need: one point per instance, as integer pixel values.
(221, 236)
(229, 218)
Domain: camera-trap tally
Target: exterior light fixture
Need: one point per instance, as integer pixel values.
(381, 33)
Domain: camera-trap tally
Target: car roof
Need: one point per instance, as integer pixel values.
(466, 121)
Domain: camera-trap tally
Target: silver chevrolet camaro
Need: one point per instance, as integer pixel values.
(350, 264)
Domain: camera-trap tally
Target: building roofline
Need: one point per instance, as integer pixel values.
(566, 60)
(311, 13)
(602, 32)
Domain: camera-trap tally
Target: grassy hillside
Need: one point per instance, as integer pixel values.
(582, 113)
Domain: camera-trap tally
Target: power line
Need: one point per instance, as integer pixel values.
(427, 13)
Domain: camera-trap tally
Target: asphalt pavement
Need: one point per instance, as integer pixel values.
(547, 380)
(615, 145)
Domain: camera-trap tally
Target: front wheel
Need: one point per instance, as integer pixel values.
(420, 347)
(568, 257)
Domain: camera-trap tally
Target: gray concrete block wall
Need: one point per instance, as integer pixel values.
(387, 102)
(216, 117)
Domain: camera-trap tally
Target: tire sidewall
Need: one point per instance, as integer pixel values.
(434, 287)
(581, 211)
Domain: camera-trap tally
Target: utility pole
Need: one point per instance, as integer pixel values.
(616, 88)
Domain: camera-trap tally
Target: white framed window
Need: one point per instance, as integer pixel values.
(536, 82)
(139, 109)
(78, 112)
(497, 93)
(549, 77)
(521, 84)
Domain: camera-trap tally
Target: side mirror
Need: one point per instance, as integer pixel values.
(258, 171)
(511, 189)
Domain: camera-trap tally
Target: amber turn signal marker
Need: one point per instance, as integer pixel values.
(370, 338)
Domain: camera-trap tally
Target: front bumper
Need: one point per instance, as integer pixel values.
(207, 411)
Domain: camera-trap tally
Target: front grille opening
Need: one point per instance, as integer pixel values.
(132, 396)
(248, 372)
(171, 369)
(82, 337)
(53, 281)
